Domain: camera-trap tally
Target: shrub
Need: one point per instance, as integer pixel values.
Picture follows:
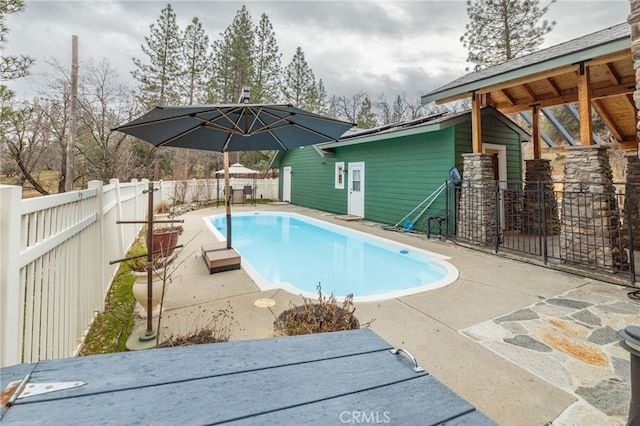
(206, 328)
(322, 316)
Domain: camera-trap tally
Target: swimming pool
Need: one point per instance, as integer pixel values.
(296, 253)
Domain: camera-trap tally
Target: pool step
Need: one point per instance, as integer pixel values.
(348, 217)
(219, 258)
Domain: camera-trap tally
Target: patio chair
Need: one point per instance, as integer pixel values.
(246, 192)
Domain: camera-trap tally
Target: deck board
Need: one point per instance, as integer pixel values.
(257, 382)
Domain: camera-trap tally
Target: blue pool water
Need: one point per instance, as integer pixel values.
(296, 253)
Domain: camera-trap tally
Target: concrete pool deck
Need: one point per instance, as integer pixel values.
(524, 344)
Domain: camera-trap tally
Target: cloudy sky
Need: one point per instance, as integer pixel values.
(389, 47)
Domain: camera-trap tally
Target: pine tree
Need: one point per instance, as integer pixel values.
(322, 106)
(234, 59)
(397, 111)
(266, 85)
(196, 63)
(162, 47)
(14, 66)
(499, 30)
(366, 118)
(300, 83)
(384, 109)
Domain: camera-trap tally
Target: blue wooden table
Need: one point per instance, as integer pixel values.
(332, 378)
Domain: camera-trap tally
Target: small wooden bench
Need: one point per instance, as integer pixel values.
(219, 258)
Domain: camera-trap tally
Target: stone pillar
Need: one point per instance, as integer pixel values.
(539, 183)
(633, 164)
(632, 201)
(591, 228)
(634, 22)
(477, 208)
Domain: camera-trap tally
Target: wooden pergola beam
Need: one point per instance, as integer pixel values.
(512, 83)
(631, 102)
(530, 78)
(567, 97)
(508, 97)
(476, 123)
(535, 126)
(530, 92)
(612, 74)
(611, 125)
(554, 86)
(624, 54)
(584, 104)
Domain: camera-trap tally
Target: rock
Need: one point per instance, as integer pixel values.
(569, 303)
(609, 396)
(521, 315)
(528, 342)
(587, 317)
(604, 336)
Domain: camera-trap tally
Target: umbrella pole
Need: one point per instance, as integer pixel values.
(227, 196)
(150, 260)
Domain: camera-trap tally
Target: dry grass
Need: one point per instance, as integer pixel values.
(206, 328)
(321, 316)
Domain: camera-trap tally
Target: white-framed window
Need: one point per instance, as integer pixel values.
(339, 175)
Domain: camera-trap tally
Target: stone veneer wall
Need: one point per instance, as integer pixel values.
(633, 164)
(538, 173)
(634, 22)
(591, 229)
(632, 216)
(477, 210)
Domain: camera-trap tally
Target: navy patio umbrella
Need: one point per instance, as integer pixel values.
(234, 127)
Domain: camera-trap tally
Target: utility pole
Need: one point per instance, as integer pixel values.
(73, 113)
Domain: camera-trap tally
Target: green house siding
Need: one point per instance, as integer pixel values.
(312, 180)
(493, 132)
(400, 172)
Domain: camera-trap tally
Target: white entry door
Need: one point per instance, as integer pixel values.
(286, 184)
(355, 203)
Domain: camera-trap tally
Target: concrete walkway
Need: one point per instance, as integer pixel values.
(524, 344)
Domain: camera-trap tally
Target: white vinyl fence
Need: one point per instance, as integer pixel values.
(54, 258)
(212, 190)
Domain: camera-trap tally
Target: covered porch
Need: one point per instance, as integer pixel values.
(588, 218)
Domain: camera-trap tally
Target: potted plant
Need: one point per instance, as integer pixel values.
(164, 239)
(138, 266)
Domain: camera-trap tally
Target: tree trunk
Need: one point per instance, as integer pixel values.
(30, 179)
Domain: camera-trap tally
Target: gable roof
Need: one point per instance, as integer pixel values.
(431, 123)
(552, 77)
(578, 50)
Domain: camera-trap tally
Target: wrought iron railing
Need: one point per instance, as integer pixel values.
(587, 226)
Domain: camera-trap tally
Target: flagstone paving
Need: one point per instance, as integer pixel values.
(572, 342)
(519, 342)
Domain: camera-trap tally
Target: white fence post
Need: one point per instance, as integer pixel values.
(121, 241)
(141, 199)
(11, 319)
(98, 246)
